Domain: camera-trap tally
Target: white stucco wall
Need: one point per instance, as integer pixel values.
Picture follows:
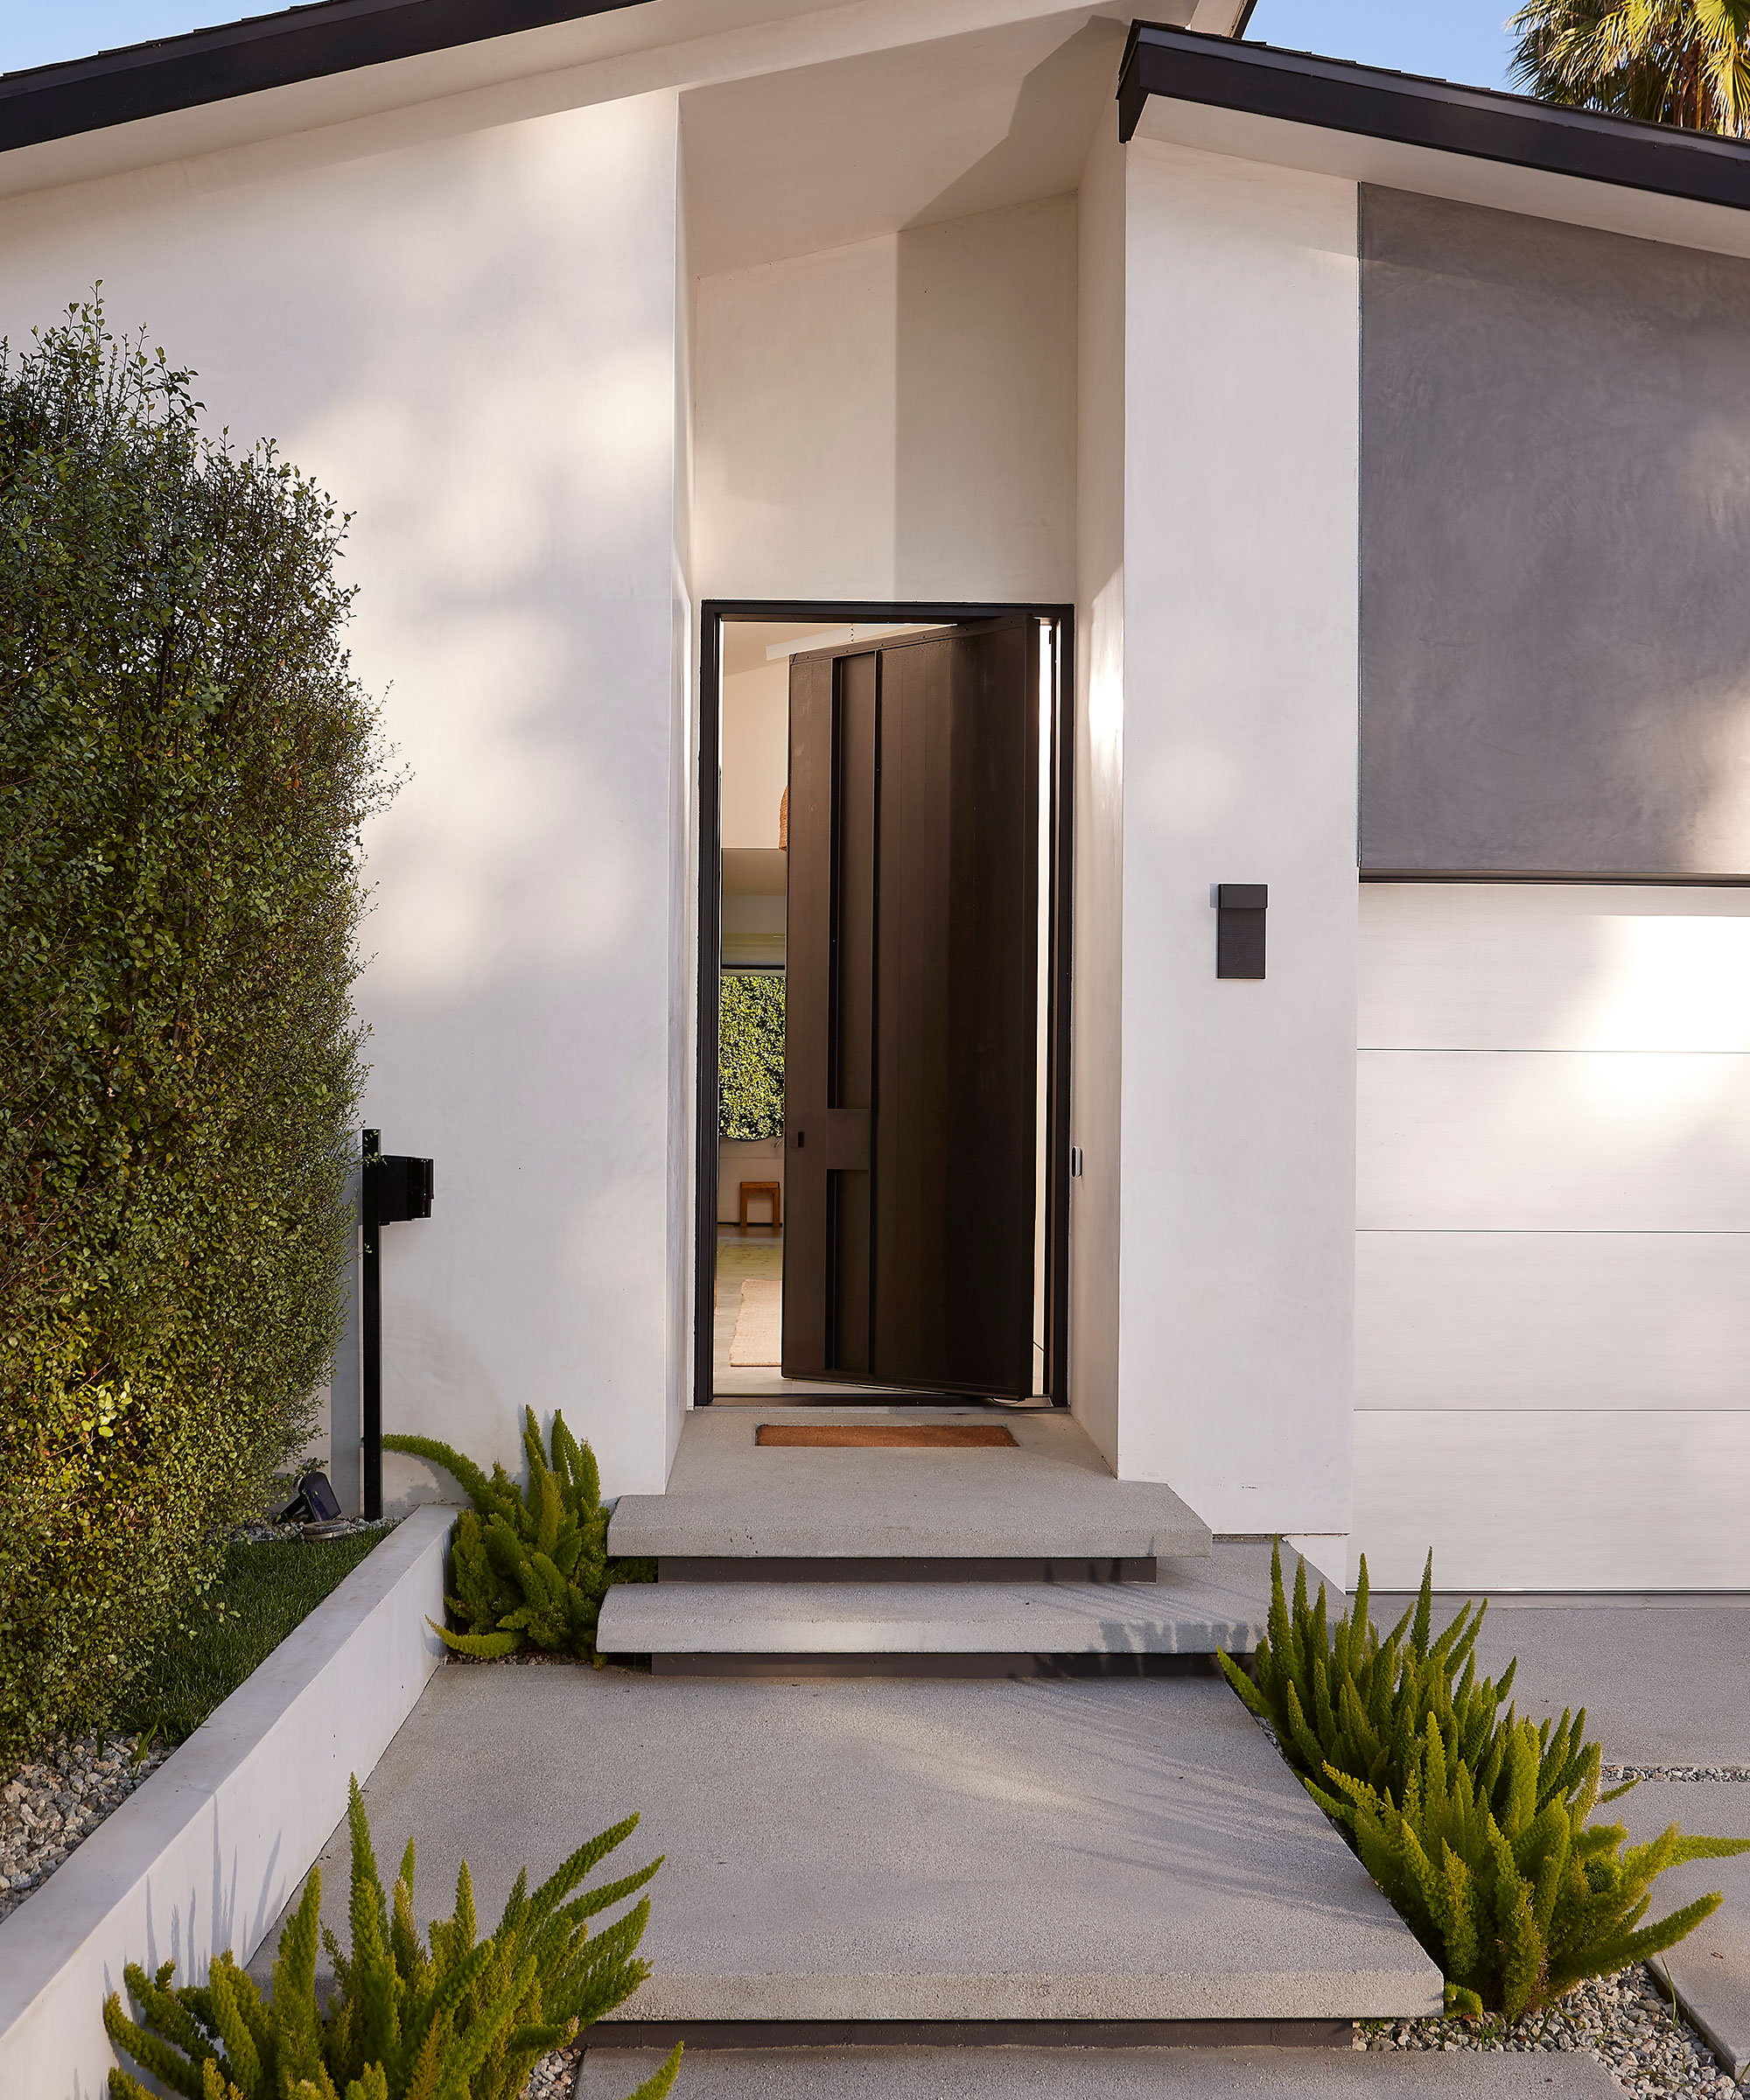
(1098, 983)
(683, 844)
(894, 420)
(471, 340)
(1236, 1323)
(478, 339)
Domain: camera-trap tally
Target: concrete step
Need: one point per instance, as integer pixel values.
(867, 1849)
(1101, 2073)
(1051, 1497)
(1192, 1607)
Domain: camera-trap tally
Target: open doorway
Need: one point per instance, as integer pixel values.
(885, 818)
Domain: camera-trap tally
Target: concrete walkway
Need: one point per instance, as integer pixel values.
(1003, 2074)
(880, 1849)
(873, 1849)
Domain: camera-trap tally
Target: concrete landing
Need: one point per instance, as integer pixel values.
(1052, 1497)
(1193, 1608)
(874, 1850)
(1073, 2073)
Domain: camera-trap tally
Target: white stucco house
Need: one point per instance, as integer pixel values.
(1370, 460)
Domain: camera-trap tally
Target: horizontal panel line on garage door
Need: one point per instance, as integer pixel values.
(1639, 1141)
(1483, 1415)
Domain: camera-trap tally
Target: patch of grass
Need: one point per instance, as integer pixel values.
(266, 1588)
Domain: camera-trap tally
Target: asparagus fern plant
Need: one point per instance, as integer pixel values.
(465, 2018)
(1476, 1824)
(529, 1567)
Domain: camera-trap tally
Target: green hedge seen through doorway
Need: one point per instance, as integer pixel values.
(751, 1056)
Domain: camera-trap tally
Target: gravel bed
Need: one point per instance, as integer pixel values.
(554, 2075)
(1613, 1775)
(343, 1527)
(48, 1808)
(522, 1658)
(1626, 2021)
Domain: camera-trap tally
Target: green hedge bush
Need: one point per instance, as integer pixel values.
(751, 1057)
(184, 762)
(1476, 1826)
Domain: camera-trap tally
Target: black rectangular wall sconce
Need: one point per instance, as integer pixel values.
(1239, 928)
(393, 1187)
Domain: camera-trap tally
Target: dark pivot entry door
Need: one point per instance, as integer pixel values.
(912, 961)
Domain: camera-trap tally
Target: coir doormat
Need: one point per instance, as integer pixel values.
(886, 1436)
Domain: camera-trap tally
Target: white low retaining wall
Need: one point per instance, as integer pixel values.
(206, 1853)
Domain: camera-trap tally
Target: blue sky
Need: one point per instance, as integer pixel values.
(1462, 40)
(36, 33)
(1457, 39)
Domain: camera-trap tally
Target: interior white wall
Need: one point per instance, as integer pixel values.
(894, 419)
(740, 1160)
(1097, 980)
(1553, 1272)
(471, 342)
(1240, 708)
(756, 753)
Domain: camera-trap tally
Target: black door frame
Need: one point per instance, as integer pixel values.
(844, 613)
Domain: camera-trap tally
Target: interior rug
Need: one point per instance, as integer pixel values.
(887, 1435)
(760, 1323)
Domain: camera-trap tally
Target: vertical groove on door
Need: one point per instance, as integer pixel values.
(807, 1019)
(853, 997)
(911, 1165)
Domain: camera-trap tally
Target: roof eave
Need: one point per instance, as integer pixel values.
(1479, 123)
(248, 58)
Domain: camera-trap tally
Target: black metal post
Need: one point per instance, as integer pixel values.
(370, 1324)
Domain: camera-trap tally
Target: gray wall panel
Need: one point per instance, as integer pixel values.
(1555, 467)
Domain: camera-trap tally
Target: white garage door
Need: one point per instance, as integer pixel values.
(1553, 1259)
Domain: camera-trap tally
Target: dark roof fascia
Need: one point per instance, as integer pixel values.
(245, 57)
(1185, 66)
